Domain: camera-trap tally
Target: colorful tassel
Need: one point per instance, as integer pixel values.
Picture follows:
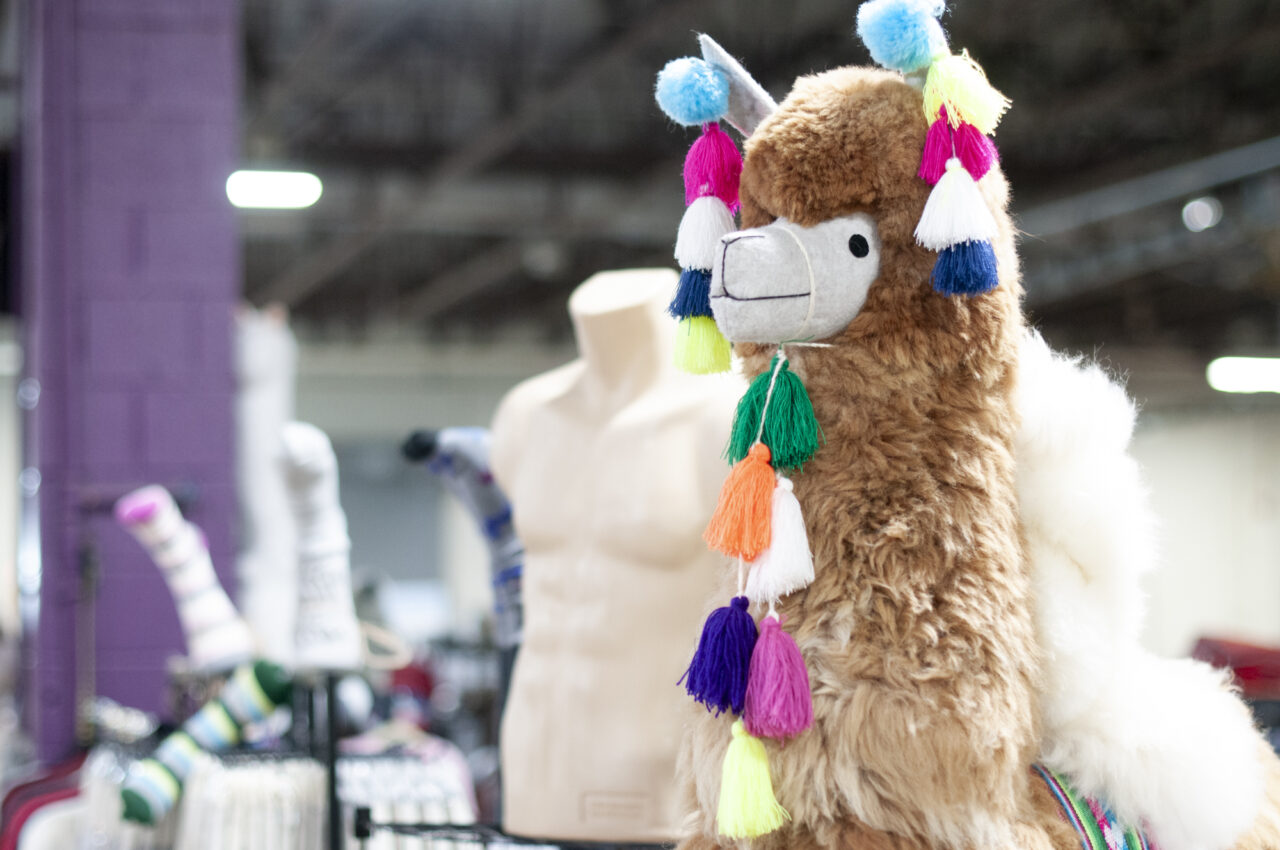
(693, 295)
(747, 808)
(787, 565)
(741, 524)
(700, 347)
(955, 212)
(717, 675)
(791, 430)
(966, 269)
(704, 223)
(958, 84)
(937, 150)
(976, 152)
(779, 704)
(713, 168)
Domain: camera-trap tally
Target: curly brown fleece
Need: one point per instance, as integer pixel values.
(917, 630)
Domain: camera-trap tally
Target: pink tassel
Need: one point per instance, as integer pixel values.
(937, 148)
(778, 703)
(977, 153)
(713, 167)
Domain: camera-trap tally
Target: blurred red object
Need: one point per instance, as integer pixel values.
(1256, 668)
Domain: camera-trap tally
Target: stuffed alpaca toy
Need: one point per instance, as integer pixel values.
(929, 637)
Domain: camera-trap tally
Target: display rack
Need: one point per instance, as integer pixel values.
(476, 835)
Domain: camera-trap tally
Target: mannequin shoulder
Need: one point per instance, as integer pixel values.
(510, 425)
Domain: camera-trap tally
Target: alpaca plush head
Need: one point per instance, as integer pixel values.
(834, 190)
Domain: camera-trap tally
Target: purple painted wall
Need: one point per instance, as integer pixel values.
(130, 269)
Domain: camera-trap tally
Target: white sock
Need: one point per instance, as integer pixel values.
(217, 638)
(326, 635)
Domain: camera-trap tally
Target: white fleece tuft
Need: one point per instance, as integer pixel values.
(1163, 741)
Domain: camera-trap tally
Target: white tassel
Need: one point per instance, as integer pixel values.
(787, 565)
(706, 220)
(955, 212)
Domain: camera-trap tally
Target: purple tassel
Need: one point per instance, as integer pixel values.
(713, 166)
(937, 150)
(968, 268)
(779, 704)
(717, 676)
(977, 153)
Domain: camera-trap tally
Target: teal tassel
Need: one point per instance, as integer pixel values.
(791, 430)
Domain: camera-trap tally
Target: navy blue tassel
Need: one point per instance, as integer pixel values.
(717, 676)
(965, 269)
(693, 295)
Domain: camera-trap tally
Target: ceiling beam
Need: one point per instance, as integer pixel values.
(298, 281)
(1127, 196)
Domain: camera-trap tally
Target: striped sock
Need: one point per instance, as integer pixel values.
(217, 638)
(153, 785)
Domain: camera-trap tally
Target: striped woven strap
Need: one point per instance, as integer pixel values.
(1097, 825)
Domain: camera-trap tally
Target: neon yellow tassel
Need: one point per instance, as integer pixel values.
(747, 805)
(959, 84)
(700, 347)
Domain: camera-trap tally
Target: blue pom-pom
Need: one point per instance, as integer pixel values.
(717, 676)
(692, 92)
(902, 34)
(693, 295)
(965, 269)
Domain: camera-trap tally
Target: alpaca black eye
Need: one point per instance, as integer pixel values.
(858, 245)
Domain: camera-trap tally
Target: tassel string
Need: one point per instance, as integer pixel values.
(779, 359)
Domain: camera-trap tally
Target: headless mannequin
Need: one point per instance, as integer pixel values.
(613, 466)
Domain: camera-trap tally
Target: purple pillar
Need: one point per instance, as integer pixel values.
(130, 270)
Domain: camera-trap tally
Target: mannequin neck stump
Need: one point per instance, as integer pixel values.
(622, 332)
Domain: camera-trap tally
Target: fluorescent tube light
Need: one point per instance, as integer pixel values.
(1245, 374)
(273, 190)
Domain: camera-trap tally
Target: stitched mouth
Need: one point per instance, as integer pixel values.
(724, 286)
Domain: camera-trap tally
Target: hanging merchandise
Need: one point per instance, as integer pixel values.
(327, 634)
(692, 92)
(249, 696)
(217, 638)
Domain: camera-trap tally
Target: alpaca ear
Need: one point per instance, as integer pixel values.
(749, 103)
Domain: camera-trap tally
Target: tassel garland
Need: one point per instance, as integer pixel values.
(693, 295)
(741, 524)
(779, 704)
(791, 430)
(717, 675)
(700, 347)
(704, 223)
(787, 565)
(966, 269)
(937, 150)
(958, 84)
(713, 168)
(976, 152)
(955, 212)
(747, 807)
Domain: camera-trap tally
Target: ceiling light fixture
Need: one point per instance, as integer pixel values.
(1244, 374)
(273, 190)
(1201, 213)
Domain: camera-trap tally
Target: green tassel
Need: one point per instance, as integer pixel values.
(700, 347)
(747, 807)
(791, 430)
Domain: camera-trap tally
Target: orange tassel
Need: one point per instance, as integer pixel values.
(741, 525)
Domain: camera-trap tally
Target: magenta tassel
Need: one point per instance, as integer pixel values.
(713, 166)
(977, 153)
(937, 149)
(778, 703)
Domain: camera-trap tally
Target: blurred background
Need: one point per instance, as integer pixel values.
(470, 162)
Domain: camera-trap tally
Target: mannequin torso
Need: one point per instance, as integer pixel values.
(612, 465)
